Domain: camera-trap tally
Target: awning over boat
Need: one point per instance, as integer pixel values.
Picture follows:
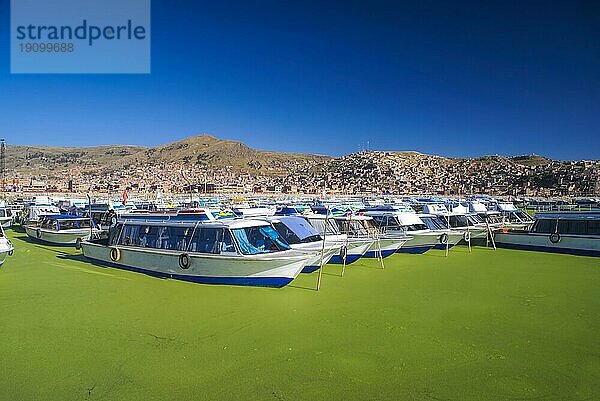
(299, 226)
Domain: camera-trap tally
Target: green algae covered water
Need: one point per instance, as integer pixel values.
(490, 325)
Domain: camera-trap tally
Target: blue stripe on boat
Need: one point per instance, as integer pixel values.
(310, 269)
(336, 260)
(384, 253)
(415, 249)
(570, 251)
(443, 246)
(277, 282)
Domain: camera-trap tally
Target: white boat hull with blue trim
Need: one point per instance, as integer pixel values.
(563, 243)
(266, 270)
(355, 249)
(314, 248)
(64, 237)
(385, 247)
(453, 238)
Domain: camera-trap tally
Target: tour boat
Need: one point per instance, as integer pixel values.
(61, 229)
(513, 217)
(470, 224)
(575, 233)
(230, 251)
(299, 234)
(352, 248)
(6, 217)
(31, 213)
(436, 224)
(360, 226)
(6, 247)
(399, 222)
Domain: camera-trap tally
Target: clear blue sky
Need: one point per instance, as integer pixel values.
(450, 78)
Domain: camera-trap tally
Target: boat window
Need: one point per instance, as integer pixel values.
(433, 223)
(74, 224)
(206, 240)
(544, 226)
(319, 225)
(352, 227)
(227, 244)
(474, 219)
(255, 240)
(594, 227)
(387, 222)
(460, 221)
(286, 233)
(580, 227)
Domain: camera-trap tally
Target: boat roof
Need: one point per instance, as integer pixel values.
(568, 215)
(166, 222)
(64, 217)
(298, 225)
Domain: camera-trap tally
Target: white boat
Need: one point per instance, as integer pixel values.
(353, 248)
(231, 251)
(393, 221)
(460, 220)
(6, 247)
(514, 218)
(61, 229)
(31, 213)
(363, 227)
(575, 233)
(6, 217)
(434, 223)
(302, 236)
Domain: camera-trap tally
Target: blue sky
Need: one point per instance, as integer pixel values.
(449, 78)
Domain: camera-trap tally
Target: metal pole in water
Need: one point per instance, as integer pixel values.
(322, 250)
(346, 249)
(89, 198)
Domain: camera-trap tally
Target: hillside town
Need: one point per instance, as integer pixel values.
(367, 172)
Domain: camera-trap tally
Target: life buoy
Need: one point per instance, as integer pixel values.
(444, 238)
(343, 252)
(467, 236)
(555, 238)
(38, 233)
(115, 254)
(78, 243)
(184, 261)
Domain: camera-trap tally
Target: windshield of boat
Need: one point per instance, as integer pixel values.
(259, 239)
(475, 219)
(319, 225)
(519, 216)
(297, 231)
(434, 223)
(456, 221)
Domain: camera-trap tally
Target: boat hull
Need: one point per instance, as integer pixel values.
(389, 246)
(252, 270)
(453, 239)
(64, 238)
(356, 248)
(6, 249)
(570, 244)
